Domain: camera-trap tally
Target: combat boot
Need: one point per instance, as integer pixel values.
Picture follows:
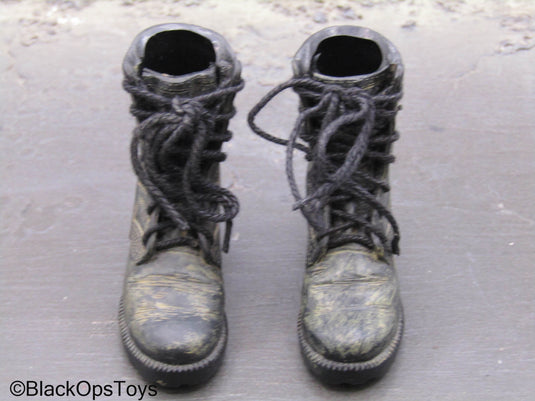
(182, 79)
(351, 319)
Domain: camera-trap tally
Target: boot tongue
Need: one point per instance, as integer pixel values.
(187, 85)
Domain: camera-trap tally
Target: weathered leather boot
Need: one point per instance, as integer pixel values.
(349, 82)
(182, 79)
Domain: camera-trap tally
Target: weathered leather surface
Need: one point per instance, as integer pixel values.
(350, 304)
(351, 307)
(174, 299)
(174, 305)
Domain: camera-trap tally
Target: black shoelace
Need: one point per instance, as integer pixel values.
(173, 146)
(352, 126)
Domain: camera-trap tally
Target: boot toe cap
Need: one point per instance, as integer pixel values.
(174, 308)
(351, 337)
(351, 307)
(177, 342)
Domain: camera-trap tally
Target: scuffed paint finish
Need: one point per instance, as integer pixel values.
(350, 305)
(174, 305)
(141, 221)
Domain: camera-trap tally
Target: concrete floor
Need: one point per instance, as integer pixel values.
(463, 194)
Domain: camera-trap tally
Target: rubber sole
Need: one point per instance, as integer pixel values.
(352, 373)
(168, 375)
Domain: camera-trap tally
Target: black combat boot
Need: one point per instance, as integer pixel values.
(182, 79)
(349, 82)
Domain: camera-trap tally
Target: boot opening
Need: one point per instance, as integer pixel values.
(342, 56)
(178, 53)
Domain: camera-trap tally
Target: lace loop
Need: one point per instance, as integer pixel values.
(341, 127)
(173, 150)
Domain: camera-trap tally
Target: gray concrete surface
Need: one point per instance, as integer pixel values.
(463, 193)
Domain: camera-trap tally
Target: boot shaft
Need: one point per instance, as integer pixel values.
(182, 79)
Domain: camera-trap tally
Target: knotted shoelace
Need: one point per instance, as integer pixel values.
(351, 124)
(173, 146)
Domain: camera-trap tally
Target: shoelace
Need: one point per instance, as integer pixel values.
(172, 146)
(352, 122)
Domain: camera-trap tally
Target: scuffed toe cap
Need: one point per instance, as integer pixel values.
(356, 336)
(176, 342)
(351, 307)
(174, 308)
